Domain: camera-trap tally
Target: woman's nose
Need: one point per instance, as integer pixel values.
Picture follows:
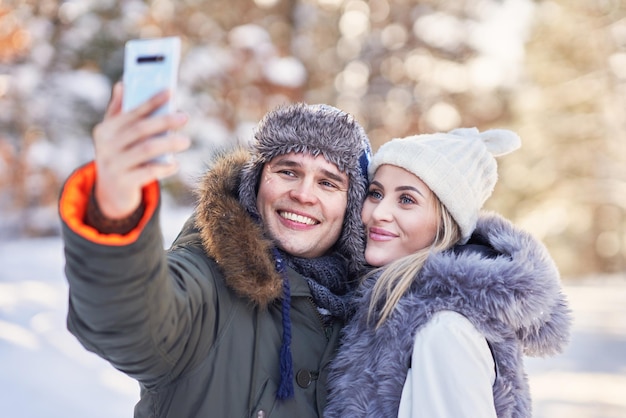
(382, 211)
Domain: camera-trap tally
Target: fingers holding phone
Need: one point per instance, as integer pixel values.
(126, 149)
(139, 129)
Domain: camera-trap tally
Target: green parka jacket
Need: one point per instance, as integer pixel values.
(199, 325)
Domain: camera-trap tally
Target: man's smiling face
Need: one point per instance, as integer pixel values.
(302, 200)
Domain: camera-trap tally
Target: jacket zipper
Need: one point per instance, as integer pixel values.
(327, 329)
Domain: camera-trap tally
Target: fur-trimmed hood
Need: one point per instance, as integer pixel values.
(232, 237)
(519, 287)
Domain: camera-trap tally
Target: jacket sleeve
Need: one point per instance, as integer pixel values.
(130, 302)
(452, 372)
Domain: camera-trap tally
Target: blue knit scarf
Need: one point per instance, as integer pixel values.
(331, 290)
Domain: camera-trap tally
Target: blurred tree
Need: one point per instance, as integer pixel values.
(569, 181)
(554, 71)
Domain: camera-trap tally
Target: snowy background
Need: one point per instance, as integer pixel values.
(45, 372)
(555, 71)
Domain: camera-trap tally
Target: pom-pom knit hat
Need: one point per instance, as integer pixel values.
(458, 166)
(316, 130)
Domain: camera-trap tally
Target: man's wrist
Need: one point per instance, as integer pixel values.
(96, 219)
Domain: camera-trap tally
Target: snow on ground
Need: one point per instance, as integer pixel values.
(589, 379)
(45, 372)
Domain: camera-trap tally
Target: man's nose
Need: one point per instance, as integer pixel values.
(304, 191)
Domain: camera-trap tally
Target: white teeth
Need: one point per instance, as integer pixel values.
(297, 218)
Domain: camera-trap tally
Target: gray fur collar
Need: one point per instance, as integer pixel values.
(521, 287)
(232, 237)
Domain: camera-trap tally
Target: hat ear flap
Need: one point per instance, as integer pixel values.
(500, 141)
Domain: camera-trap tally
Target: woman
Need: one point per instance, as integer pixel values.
(458, 297)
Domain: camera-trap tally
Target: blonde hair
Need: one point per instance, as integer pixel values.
(397, 276)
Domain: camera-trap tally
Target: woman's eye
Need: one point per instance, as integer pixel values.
(374, 194)
(406, 200)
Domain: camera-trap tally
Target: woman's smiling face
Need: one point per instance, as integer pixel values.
(399, 215)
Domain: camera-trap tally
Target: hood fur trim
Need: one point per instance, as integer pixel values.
(521, 287)
(232, 237)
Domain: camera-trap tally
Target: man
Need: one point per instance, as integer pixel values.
(241, 316)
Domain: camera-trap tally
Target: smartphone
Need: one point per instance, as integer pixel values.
(150, 66)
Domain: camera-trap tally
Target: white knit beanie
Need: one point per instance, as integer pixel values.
(458, 166)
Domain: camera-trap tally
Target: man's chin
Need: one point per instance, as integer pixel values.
(300, 250)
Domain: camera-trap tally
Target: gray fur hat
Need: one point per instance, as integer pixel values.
(316, 130)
